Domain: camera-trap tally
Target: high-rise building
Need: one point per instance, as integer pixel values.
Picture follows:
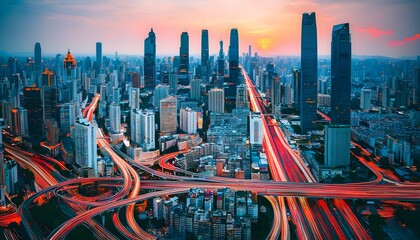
(168, 115)
(216, 100)
(340, 74)
(67, 117)
(20, 121)
(48, 78)
(205, 66)
(150, 61)
(195, 89)
(297, 78)
(255, 128)
(10, 176)
(52, 133)
(220, 67)
(309, 72)
(85, 144)
(49, 103)
(135, 124)
(99, 60)
(69, 66)
(135, 80)
(33, 104)
(417, 82)
(188, 120)
(160, 92)
(38, 57)
(2, 180)
(134, 98)
(365, 98)
(115, 117)
(242, 96)
(276, 94)
(337, 145)
(233, 64)
(173, 83)
(184, 60)
(158, 208)
(147, 129)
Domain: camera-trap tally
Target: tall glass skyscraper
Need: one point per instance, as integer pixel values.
(184, 59)
(150, 61)
(309, 71)
(99, 56)
(233, 63)
(340, 74)
(38, 60)
(205, 68)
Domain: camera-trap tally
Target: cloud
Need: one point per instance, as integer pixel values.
(375, 32)
(404, 41)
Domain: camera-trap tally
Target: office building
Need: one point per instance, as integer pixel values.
(160, 92)
(10, 176)
(233, 64)
(38, 57)
(365, 99)
(69, 66)
(205, 65)
(49, 103)
(134, 98)
(19, 121)
(337, 145)
(173, 83)
(168, 115)
(150, 61)
(184, 59)
(158, 208)
(276, 94)
(255, 128)
(85, 144)
(33, 104)
(220, 67)
(48, 78)
(340, 74)
(188, 120)
(115, 117)
(68, 113)
(147, 129)
(216, 100)
(99, 59)
(195, 89)
(135, 123)
(309, 72)
(242, 96)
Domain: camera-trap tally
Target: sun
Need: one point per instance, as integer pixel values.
(264, 43)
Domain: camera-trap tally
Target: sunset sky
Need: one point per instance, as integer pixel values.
(272, 27)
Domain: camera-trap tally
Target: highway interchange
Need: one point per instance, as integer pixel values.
(318, 210)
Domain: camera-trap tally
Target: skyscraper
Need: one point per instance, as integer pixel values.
(115, 117)
(242, 96)
(168, 115)
(147, 129)
(216, 100)
(188, 120)
(195, 89)
(220, 67)
(205, 67)
(48, 78)
(184, 60)
(85, 144)
(337, 145)
(276, 94)
(33, 104)
(150, 61)
(340, 74)
(365, 98)
(309, 72)
(135, 126)
(69, 66)
(49, 103)
(160, 92)
(99, 57)
(38, 57)
(233, 63)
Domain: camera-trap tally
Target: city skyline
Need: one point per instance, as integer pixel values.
(272, 28)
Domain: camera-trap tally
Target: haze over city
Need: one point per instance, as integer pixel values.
(272, 27)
